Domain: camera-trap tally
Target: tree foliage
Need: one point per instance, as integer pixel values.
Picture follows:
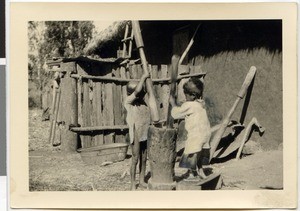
(66, 38)
(51, 39)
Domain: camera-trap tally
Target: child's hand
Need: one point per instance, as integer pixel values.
(139, 87)
(146, 75)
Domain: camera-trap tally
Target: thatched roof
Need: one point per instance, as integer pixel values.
(114, 33)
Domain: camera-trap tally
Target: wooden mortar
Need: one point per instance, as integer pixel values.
(162, 155)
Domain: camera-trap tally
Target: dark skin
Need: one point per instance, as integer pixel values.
(139, 149)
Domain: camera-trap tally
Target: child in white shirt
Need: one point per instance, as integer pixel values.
(197, 126)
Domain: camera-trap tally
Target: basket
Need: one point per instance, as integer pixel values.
(105, 153)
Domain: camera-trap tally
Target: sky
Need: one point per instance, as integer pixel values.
(101, 25)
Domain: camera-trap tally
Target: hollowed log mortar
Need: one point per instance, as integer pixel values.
(162, 155)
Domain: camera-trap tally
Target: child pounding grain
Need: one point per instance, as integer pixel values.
(197, 126)
(138, 120)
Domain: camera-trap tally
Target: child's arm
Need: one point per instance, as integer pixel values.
(179, 112)
(139, 87)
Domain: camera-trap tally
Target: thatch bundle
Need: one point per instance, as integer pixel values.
(114, 33)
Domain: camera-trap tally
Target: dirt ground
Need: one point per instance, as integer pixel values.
(53, 170)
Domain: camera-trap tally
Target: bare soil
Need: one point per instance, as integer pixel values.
(53, 170)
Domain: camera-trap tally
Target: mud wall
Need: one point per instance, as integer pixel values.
(226, 50)
(225, 75)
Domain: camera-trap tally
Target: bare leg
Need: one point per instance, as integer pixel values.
(135, 148)
(143, 159)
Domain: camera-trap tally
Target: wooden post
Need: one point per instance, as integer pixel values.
(173, 73)
(162, 154)
(140, 45)
(68, 104)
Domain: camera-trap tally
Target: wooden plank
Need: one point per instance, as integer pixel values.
(80, 108)
(93, 102)
(165, 92)
(108, 112)
(117, 106)
(123, 76)
(183, 69)
(99, 128)
(86, 118)
(81, 112)
(139, 71)
(196, 69)
(154, 72)
(133, 72)
(93, 111)
(154, 75)
(128, 72)
(124, 96)
(98, 99)
(79, 93)
(124, 92)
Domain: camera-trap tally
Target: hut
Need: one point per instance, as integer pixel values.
(93, 86)
(90, 108)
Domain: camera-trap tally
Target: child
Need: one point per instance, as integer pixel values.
(197, 126)
(138, 120)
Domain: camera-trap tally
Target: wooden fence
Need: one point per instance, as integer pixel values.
(100, 93)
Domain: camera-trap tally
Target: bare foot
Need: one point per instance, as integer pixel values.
(133, 186)
(143, 185)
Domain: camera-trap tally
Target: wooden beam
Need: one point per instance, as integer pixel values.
(99, 128)
(125, 80)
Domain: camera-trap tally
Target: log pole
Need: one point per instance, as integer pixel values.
(69, 108)
(149, 85)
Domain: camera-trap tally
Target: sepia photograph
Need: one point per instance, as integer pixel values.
(123, 106)
(169, 105)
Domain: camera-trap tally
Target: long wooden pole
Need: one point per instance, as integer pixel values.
(216, 139)
(126, 80)
(150, 90)
(174, 72)
(188, 47)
